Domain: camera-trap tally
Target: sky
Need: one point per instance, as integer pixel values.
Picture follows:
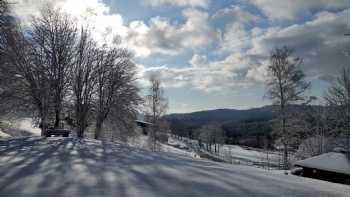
(213, 54)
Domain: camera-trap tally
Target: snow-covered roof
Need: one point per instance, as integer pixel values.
(144, 123)
(333, 161)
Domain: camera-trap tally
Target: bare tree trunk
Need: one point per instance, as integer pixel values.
(98, 129)
(157, 106)
(43, 106)
(284, 134)
(43, 123)
(81, 124)
(57, 118)
(154, 126)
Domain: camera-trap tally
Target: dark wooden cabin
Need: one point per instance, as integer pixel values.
(332, 166)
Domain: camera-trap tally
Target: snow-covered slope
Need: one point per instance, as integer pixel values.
(19, 128)
(69, 167)
(3, 135)
(26, 124)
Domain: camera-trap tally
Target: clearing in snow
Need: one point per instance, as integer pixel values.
(40, 167)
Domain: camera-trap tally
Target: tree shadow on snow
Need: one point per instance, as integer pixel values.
(70, 167)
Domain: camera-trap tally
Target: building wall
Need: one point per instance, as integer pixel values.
(325, 175)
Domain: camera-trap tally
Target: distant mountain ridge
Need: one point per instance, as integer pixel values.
(223, 116)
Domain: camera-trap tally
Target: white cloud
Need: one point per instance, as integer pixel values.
(198, 60)
(291, 9)
(258, 72)
(98, 16)
(204, 75)
(159, 35)
(235, 38)
(180, 3)
(237, 14)
(320, 42)
(164, 37)
(24, 9)
(92, 12)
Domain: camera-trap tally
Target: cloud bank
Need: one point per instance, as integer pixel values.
(233, 55)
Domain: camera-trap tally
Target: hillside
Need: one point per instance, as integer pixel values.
(68, 167)
(250, 127)
(222, 116)
(241, 126)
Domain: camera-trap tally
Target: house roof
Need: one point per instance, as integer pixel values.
(338, 162)
(143, 123)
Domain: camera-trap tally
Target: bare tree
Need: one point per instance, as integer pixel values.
(205, 136)
(120, 123)
(26, 81)
(115, 78)
(338, 98)
(212, 134)
(4, 12)
(41, 60)
(157, 105)
(286, 85)
(124, 110)
(84, 78)
(219, 137)
(53, 38)
(339, 93)
(51, 63)
(5, 76)
(6, 24)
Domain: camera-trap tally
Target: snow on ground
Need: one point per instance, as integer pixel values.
(27, 125)
(235, 154)
(4, 135)
(142, 141)
(249, 155)
(139, 141)
(176, 146)
(172, 149)
(54, 167)
(19, 128)
(176, 142)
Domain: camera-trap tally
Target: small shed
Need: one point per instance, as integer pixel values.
(332, 166)
(144, 125)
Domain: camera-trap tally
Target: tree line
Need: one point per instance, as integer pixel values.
(54, 69)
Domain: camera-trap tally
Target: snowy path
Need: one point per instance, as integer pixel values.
(66, 167)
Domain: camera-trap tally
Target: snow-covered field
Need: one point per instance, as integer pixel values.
(35, 166)
(235, 154)
(249, 156)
